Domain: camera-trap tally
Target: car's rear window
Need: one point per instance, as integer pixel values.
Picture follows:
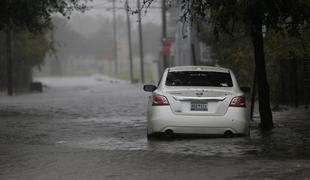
(199, 78)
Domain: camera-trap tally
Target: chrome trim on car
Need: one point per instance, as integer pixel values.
(178, 98)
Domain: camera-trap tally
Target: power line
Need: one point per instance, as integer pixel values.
(110, 7)
(103, 5)
(100, 4)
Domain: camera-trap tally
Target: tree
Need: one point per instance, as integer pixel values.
(281, 15)
(234, 52)
(33, 16)
(29, 51)
(237, 53)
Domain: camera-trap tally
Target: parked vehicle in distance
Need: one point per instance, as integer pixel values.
(198, 100)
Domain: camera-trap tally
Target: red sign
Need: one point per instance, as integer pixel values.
(166, 47)
(108, 56)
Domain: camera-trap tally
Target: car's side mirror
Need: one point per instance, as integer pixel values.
(149, 88)
(245, 89)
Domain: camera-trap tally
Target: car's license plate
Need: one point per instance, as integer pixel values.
(199, 106)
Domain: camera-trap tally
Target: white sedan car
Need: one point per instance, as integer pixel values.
(201, 100)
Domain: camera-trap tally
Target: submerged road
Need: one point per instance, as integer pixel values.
(95, 128)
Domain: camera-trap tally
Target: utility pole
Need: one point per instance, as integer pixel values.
(140, 42)
(9, 60)
(164, 33)
(114, 40)
(129, 41)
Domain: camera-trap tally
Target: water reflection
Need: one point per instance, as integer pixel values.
(68, 115)
(289, 139)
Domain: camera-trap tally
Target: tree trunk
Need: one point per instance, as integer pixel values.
(253, 94)
(263, 87)
(9, 61)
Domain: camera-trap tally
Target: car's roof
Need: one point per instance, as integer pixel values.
(198, 68)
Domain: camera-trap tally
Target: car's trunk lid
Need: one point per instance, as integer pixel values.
(199, 100)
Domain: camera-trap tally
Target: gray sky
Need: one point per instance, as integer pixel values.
(93, 18)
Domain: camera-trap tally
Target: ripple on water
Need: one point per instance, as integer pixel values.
(204, 147)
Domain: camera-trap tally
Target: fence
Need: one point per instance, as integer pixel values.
(295, 81)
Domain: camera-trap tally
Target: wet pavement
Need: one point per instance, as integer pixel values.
(95, 128)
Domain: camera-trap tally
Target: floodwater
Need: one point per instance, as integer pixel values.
(95, 128)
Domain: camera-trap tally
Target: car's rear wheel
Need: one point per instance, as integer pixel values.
(229, 134)
(149, 136)
(169, 134)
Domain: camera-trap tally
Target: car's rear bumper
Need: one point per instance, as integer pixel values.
(161, 118)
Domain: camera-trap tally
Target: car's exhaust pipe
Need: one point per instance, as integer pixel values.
(229, 134)
(169, 134)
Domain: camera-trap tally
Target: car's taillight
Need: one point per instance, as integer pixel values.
(238, 102)
(160, 101)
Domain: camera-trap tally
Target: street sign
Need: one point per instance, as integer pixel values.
(166, 47)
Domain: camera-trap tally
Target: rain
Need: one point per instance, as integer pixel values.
(72, 104)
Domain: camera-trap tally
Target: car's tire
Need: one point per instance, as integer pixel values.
(149, 136)
(229, 134)
(169, 134)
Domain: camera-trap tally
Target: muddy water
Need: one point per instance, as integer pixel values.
(101, 123)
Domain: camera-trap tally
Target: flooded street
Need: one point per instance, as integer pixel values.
(95, 128)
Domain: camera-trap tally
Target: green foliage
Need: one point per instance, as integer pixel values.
(35, 15)
(284, 15)
(235, 52)
(29, 51)
(24, 17)
(279, 48)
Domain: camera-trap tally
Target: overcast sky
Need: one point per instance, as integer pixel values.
(89, 22)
